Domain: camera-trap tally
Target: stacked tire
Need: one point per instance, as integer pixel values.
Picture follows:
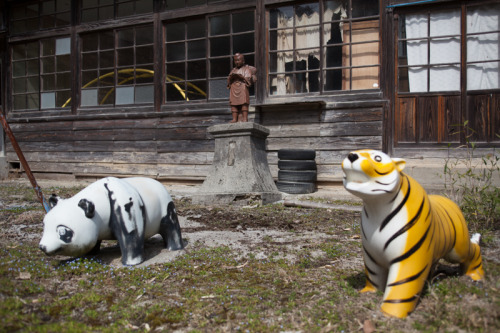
(297, 171)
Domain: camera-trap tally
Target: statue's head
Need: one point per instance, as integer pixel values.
(239, 60)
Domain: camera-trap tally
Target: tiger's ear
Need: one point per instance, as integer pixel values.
(400, 163)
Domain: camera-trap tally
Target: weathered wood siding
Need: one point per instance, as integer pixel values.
(177, 148)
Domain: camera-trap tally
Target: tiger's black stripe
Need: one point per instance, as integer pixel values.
(370, 271)
(408, 279)
(413, 249)
(399, 190)
(404, 300)
(370, 256)
(373, 283)
(408, 225)
(396, 211)
(454, 229)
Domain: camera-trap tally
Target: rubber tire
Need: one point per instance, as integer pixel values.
(296, 154)
(305, 176)
(297, 164)
(295, 187)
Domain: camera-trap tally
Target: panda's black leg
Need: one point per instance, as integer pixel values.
(170, 230)
(95, 250)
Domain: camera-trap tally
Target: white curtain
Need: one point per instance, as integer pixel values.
(483, 47)
(442, 50)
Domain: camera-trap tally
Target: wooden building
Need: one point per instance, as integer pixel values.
(129, 87)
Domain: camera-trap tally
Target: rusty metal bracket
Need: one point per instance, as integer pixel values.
(24, 163)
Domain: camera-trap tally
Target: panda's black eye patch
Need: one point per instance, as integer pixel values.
(65, 233)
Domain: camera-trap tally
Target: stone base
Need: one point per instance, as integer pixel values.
(240, 171)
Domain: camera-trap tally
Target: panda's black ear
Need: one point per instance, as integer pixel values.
(53, 200)
(88, 207)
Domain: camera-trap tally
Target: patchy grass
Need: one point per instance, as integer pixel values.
(215, 289)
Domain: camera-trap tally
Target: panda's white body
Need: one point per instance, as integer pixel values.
(129, 210)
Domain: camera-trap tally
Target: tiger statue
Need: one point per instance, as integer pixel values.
(404, 230)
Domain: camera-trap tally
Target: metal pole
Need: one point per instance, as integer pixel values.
(23, 161)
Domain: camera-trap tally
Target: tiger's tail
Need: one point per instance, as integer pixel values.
(473, 266)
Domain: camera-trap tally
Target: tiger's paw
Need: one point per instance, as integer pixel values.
(476, 274)
(369, 288)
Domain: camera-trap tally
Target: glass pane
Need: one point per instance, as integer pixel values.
(89, 97)
(63, 81)
(125, 9)
(63, 98)
(88, 77)
(144, 74)
(175, 31)
(89, 60)
(144, 6)
(333, 56)
(145, 55)
(63, 5)
(126, 37)
(218, 89)
(174, 4)
(365, 54)
(196, 49)
(243, 22)
(19, 68)
(106, 59)
(48, 47)
(219, 25)
(19, 102)
(417, 52)
(90, 3)
(106, 96)
(362, 8)
(33, 101)
(124, 95)
(281, 17)
(333, 10)
(196, 29)
(445, 23)
(417, 77)
(197, 90)
(244, 43)
(365, 78)
(333, 80)
(175, 52)
(191, 3)
(445, 50)
(18, 52)
(278, 84)
(416, 26)
(48, 65)
(125, 57)
(175, 92)
(403, 80)
(48, 100)
(32, 50)
(144, 35)
(196, 70)
(89, 15)
(220, 46)
(307, 37)
(19, 85)
(63, 63)
(89, 42)
(106, 40)
(106, 13)
(144, 94)
(175, 72)
(307, 14)
(32, 67)
(220, 67)
(483, 47)
(444, 78)
(483, 18)
(483, 76)
(48, 82)
(63, 19)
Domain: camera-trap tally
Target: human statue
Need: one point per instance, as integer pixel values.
(242, 76)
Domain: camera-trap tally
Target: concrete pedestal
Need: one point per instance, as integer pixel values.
(240, 173)
(4, 168)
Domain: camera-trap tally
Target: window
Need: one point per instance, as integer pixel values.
(41, 74)
(46, 14)
(430, 48)
(320, 47)
(118, 76)
(177, 4)
(99, 10)
(190, 76)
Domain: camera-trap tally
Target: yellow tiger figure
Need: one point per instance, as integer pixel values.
(404, 230)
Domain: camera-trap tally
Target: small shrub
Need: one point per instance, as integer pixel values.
(469, 181)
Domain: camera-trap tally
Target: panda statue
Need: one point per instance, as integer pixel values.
(129, 210)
